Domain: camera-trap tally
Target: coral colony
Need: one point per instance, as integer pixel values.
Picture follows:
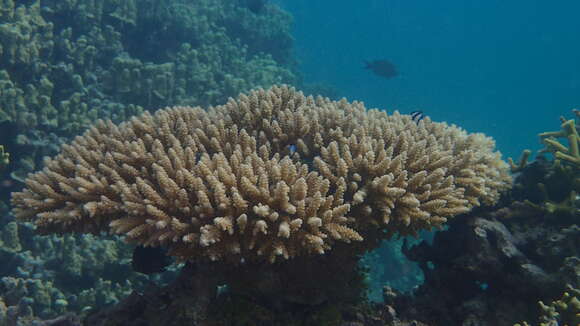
(221, 184)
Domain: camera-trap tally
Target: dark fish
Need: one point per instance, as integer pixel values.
(383, 68)
(150, 260)
(417, 116)
(255, 6)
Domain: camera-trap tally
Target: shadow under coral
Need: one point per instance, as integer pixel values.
(302, 291)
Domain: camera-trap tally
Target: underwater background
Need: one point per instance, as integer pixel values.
(502, 68)
(510, 70)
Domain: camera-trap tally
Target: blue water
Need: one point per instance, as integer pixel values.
(505, 68)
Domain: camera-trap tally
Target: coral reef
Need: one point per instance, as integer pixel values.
(551, 186)
(47, 276)
(263, 185)
(310, 173)
(64, 64)
(491, 267)
(548, 189)
(269, 200)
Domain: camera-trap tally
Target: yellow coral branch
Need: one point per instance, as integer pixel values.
(4, 157)
(522, 163)
(561, 152)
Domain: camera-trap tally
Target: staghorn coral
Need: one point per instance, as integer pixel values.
(569, 154)
(564, 311)
(271, 174)
(522, 162)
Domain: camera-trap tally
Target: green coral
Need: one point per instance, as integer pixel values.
(564, 311)
(4, 157)
(176, 52)
(39, 295)
(556, 194)
(9, 238)
(57, 274)
(570, 154)
(522, 162)
(552, 186)
(65, 64)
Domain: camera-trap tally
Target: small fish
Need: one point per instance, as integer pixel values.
(417, 116)
(255, 6)
(150, 260)
(383, 68)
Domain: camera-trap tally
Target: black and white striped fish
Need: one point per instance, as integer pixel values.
(417, 116)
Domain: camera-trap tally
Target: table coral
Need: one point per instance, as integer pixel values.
(273, 174)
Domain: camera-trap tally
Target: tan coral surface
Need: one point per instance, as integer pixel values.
(270, 174)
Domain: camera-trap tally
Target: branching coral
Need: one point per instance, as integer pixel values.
(271, 174)
(570, 154)
(565, 311)
(522, 162)
(550, 185)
